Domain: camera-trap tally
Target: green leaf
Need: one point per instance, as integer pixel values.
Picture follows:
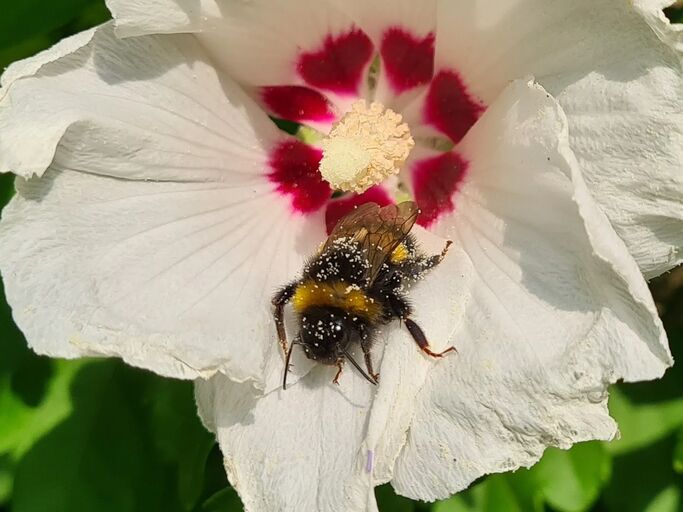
(642, 424)
(98, 458)
(647, 412)
(644, 480)
(461, 502)
(668, 500)
(225, 500)
(518, 491)
(191, 467)
(678, 453)
(24, 424)
(571, 480)
(22, 19)
(12, 344)
(179, 435)
(674, 15)
(496, 494)
(6, 478)
(32, 38)
(6, 188)
(512, 492)
(388, 500)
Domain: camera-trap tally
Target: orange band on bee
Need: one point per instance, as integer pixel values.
(337, 294)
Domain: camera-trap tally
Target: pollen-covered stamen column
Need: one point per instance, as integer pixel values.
(369, 144)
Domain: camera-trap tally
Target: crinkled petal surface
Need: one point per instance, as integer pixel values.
(614, 66)
(146, 108)
(318, 446)
(553, 309)
(154, 216)
(653, 11)
(139, 17)
(619, 85)
(297, 449)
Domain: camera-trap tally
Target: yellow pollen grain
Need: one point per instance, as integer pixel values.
(399, 255)
(369, 144)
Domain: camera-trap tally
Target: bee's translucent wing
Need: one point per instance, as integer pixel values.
(348, 225)
(378, 230)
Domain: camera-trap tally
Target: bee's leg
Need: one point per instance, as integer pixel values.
(279, 300)
(365, 344)
(340, 369)
(421, 340)
(426, 264)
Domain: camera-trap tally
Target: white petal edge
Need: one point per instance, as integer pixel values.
(619, 85)
(256, 41)
(653, 12)
(554, 309)
(296, 449)
(317, 446)
(152, 107)
(157, 168)
(141, 17)
(27, 67)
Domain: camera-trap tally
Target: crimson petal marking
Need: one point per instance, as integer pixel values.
(339, 207)
(295, 173)
(408, 61)
(338, 66)
(435, 181)
(297, 103)
(449, 107)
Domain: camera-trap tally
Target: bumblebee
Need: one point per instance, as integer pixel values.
(354, 284)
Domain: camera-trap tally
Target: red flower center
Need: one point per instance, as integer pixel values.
(339, 65)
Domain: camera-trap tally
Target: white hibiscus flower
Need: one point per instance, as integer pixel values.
(158, 208)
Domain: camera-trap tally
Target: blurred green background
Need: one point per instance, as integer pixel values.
(92, 435)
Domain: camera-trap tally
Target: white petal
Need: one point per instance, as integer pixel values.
(553, 309)
(297, 449)
(258, 41)
(404, 367)
(266, 43)
(619, 85)
(156, 227)
(144, 108)
(317, 446)
(139, 17)
(375, 17)
(161, 274)
(652, 11)
(27, 67)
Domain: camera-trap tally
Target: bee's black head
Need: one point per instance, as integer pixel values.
(325, 333)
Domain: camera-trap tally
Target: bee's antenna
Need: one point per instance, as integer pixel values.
(289, 355)
(354, 363)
